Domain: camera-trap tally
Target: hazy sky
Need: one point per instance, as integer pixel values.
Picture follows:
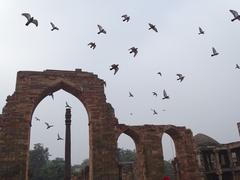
(207, 101)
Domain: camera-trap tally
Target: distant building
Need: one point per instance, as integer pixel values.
(217, 161)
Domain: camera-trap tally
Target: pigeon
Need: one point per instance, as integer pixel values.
(92, 45)
(215, 53)
(51, 94)
(125, 17)
(101, 30)
(115, 67)
(154, 112)
(180, 77)
(133, 50)
(37, 119)
(48, 125)
(235, 15)
(30, 19)
(54, 27)
(131, 114)
(200, 31)
(154, 94)
(59, 138)
(159, 73)
(130, 94)
(165, 96)
(153, 27)
(237, 66)
(67, 106)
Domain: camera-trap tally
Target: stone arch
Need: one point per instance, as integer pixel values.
(185, 152)
(128, 131)
(56, 86)
(104, 130)
(135, 136)
(31, 88)
(174, 133)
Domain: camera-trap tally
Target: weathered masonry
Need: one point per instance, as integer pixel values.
(104, 130)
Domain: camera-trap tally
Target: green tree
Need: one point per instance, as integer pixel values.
(84, 164)
(38, 158)
(53, 170)
(125, 155)
(169, 170)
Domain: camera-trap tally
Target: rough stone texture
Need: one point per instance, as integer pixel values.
(149, 161)
(217, 161)
(126, 171)
(104, 130)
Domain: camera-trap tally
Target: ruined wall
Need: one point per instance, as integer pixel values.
(31, 88)
(149, 161)
(104, 130)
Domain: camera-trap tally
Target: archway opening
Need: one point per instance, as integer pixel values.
(51, 110)
(126, 155)
(169, 156)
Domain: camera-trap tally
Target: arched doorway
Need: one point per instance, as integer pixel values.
(169, 155)
(52, 110)
(126, 156)
(31, 88)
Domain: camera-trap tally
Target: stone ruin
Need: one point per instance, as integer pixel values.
(104, 130)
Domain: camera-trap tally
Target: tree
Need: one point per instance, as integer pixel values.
(125, 155)
(53, 170)
(84, 164)
(38, 158)
(169, 170)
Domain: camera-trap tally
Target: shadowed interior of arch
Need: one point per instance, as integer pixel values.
(52, 111)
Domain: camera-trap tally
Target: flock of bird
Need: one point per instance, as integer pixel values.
(133, 50)
(67, 106)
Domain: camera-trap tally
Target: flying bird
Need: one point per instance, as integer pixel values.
(54, 27)
(125, 17)
(235, 15)
(153, 27)
(115, 68)
(51, 94)
(133, 50)
(165, 96)
(67, 106)
(92, 45)
(180, 77)
(48, 125)
(159, 73)
(30, 19)
(200, 31)
(237, 66)
(154, 93)
(215, 53)
(37, 119)
(130, 94)
(131, 114)
(154, 112)
(101, 30)
(59, 138)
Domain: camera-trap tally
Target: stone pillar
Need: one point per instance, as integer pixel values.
(153, 157)
(186, 155)
(67, 169)
(217, 164)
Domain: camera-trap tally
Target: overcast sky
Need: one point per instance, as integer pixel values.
(207, 101)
